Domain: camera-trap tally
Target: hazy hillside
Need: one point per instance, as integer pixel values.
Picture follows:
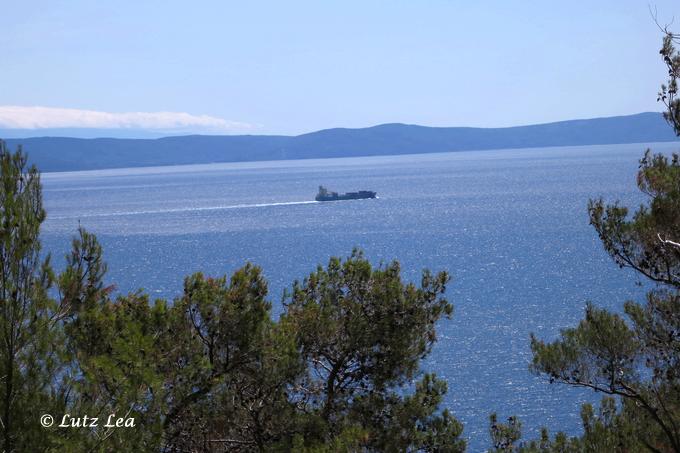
(62, 154)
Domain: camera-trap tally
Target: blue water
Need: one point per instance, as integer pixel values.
(510, 226)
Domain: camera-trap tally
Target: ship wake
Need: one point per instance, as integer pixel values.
(187, 209)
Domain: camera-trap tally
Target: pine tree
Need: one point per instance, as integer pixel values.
(636, 357)
(29, 359)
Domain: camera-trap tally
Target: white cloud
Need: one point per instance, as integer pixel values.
(20, 117)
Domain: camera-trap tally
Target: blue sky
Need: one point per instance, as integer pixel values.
(289, 67)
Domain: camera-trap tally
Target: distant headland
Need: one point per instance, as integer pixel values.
(70, 154)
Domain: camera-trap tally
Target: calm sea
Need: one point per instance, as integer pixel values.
(510, 226)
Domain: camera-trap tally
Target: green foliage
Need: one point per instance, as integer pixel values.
(635, 357)
(608, 430)
(505, 436)
(28, 361)
(213, 372)
(222, 349)
(669, 90)
(362, 332)
(646, 242)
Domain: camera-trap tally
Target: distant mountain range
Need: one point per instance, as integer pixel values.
(67, 154)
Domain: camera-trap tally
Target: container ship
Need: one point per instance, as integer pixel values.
(326, 195)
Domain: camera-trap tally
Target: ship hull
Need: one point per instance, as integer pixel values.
(347, 196)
